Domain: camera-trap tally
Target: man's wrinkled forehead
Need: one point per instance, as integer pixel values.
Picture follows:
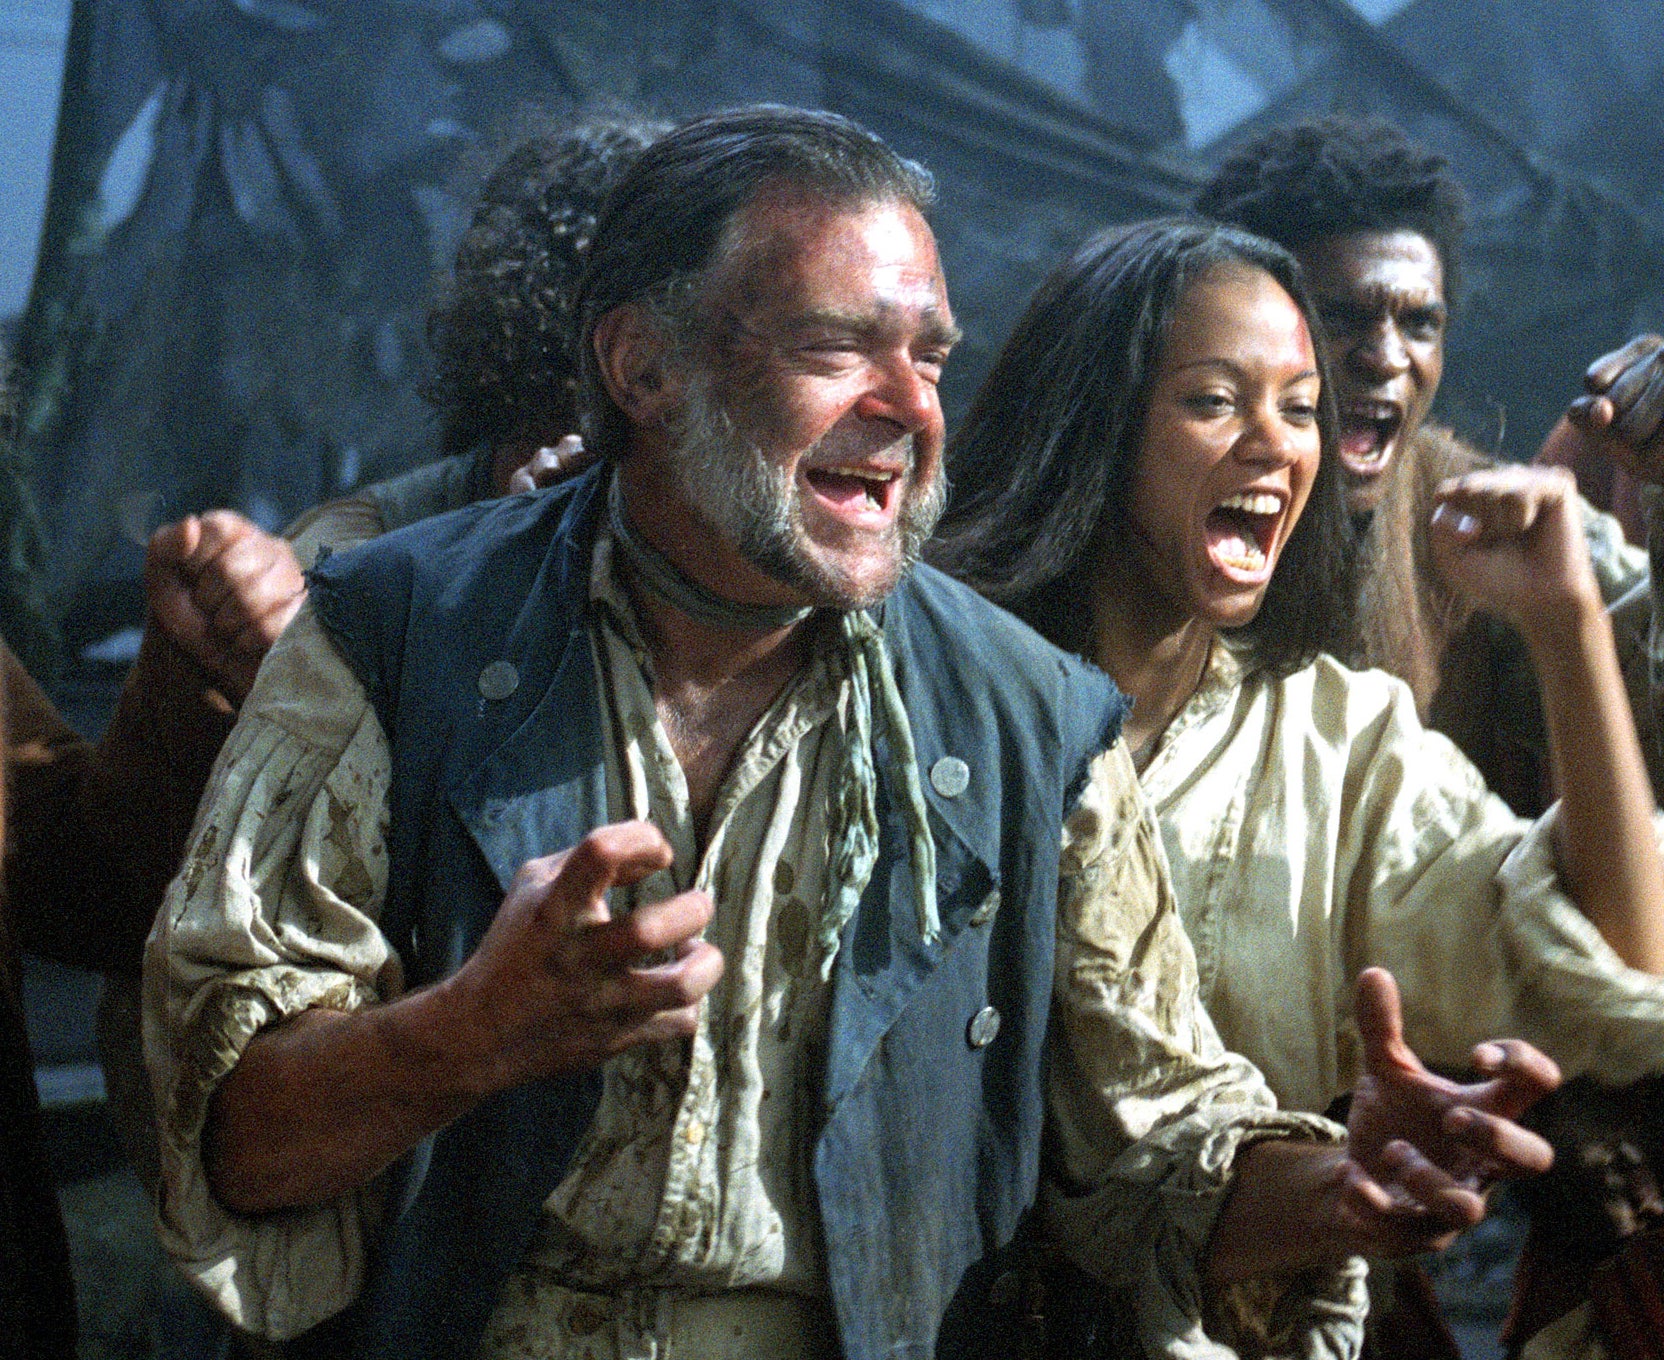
(1378, 266)
(807, 259)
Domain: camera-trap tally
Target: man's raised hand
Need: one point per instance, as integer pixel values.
(1622, 411)
(561, 983)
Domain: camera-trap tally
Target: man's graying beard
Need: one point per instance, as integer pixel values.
(753, 502)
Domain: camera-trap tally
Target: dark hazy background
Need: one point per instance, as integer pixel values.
(251, 200)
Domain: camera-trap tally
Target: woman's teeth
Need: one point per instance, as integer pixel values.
(1238, 545)
(1257, 503)
(1241, 553)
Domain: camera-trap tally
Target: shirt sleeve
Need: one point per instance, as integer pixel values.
(94, 833)
(1619, 565)
(273, 912)
(1148, 1111)
(333, 526)
(1462, 901)
(47, 870)
(1575, 998)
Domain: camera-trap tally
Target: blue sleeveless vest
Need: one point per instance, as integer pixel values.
(930, 1149)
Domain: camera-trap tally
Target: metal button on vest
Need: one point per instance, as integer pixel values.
(985, 1024)
(499, 680)
(950, 776)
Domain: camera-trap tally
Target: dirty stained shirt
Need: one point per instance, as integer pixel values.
(693, 1179)
(1315, 828)
(694, 1173)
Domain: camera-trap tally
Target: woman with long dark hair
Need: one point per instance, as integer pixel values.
(1149, 478)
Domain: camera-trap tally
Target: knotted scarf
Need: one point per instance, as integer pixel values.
(852, 833)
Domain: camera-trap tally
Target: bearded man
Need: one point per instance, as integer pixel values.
(627, 918)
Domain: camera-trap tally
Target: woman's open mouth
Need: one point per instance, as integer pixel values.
(1242, 533)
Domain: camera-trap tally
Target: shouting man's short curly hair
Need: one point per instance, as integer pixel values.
(1335, 176)
(502, 336)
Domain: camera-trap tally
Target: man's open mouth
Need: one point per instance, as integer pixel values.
(1368, 437)
(1242, 531)
(852, 489)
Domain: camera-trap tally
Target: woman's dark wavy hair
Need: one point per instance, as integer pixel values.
(505, 352)
(1338, 175)
(1042, 470)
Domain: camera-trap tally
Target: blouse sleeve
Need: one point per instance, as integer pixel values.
(1149, 1111)
(1462, 902)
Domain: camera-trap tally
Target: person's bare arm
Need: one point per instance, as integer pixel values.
(322, 1103)
(1420, 1152)
(1512, 539)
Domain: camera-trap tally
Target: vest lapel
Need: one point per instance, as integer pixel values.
(882, 962)
(544, 788)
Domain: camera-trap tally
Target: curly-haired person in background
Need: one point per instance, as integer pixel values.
(501, 333)
(505, 384)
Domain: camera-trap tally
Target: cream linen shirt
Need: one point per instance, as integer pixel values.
(693, 1177)
(1315, 828)
(275, 911)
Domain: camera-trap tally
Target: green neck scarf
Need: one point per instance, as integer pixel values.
(875, 705)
